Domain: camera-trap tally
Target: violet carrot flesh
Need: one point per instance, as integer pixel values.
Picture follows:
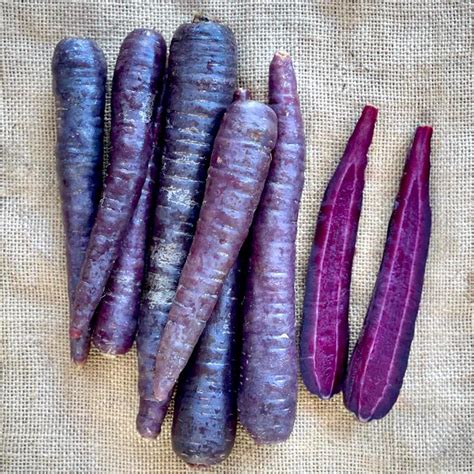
(325, 329)
(380, 358)
(79, 76)
(135, 88)
(239, 166)
(202, 73)
(268, 381)
(205, 409)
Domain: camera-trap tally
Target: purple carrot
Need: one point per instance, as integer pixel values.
(239, 166)
(136, 85)
(380, 358)
(116, 316)
(202, 73)
(205, 409)
(268, 381)
(325, 330)
(79, 75)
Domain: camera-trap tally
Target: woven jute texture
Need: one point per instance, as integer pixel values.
(413, 60)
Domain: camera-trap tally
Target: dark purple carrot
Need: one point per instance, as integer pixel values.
(380, 358)
(202, 74)
(239, 166)
(116, 316)
(136, 85)
(268, 380)
(79, 75)
(205, 409)
(325, 329)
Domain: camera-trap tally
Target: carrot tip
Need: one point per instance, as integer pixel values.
(198, 17)
(370, 111)
(282, 54)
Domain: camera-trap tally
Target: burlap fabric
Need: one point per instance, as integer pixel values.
(413, 60)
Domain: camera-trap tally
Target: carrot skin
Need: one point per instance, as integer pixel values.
(117, 313)
(324, 339)
(239, 165)
(79, 75)
(205, 409)
(136, 85)
(268, 380)
(380, 358)
(116, 318)
(202, 73)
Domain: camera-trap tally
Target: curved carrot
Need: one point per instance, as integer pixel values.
(202, 72)
(79, 75)
(380, 358)
(136, 84)
(238, 169)
(325, 328)
(268, 381)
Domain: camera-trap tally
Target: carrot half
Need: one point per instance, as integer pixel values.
(380, 358)
(324, 338)
(239, 166)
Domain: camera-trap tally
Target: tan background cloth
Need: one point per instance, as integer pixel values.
(413, 60)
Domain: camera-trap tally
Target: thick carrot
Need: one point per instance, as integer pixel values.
(380, 358)
(268, 381)
(202, 73)
(136, 84)
(239, 166)
(205, 409)
(79, 74)
(325, 329)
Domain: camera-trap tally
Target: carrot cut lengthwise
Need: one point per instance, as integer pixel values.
(136, 84)
(380, 358)
(325, 329)
(79, 74)
(268, 381)
(205, 409)
(238, 169)
(202, 72)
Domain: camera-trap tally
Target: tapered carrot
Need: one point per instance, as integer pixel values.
(79, 75)
(325, 328)
(117, 313)
(239, 166)
(268, 381)
(202, 72)
(380, 358)
(136, 85)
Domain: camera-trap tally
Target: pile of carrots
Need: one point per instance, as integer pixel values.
(189, 246)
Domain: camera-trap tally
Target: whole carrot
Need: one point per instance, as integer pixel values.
(238, 169)
(202, 72)
(136, 84)
(79, 75)
(268, 380)
(117, 313)
(380, 358)
(325, 329)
